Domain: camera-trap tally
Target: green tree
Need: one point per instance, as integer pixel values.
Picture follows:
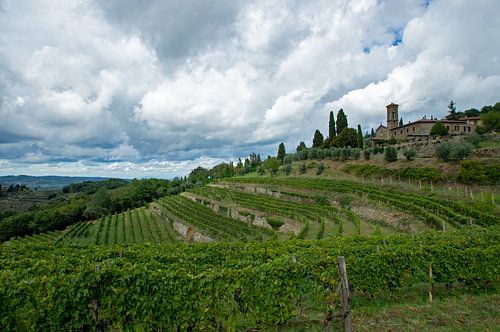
(410, 154)
(439, 130)
(317, 139)
(451, 107)
(360, 137)
(347, 137)
(101, 204)
(401, 122)
(301, 147)
(490, 122)
(341, 121)
(281, 152)
(471, 112)
(331, 126)
(373, 133)
(272, 165)
(391, 154)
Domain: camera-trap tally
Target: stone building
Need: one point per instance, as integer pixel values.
(422, 127)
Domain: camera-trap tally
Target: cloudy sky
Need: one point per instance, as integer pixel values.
(131, 88)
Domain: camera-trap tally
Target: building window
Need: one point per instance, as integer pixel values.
(401, 131)
(413, 128)
(457, 128)
(448, 127)
(407, 129)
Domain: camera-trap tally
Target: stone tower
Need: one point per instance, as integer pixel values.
(392, 117)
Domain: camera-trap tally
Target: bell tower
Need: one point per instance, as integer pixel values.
(392, 117)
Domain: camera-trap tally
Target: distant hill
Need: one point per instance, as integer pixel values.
(50, 182)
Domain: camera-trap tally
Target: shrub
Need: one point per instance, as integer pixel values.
(378, 149)
(288, 169)
(321, 200)
(320, 168)
(288, 159)
(355, 153)
(391, 154)
(442, 151)
(260, 170)
(474, 140)
(311, 165)
(460, 151)
(366, 154)
(302, 168)
(275, 223)
(392, 141)
(475, 172)
(451, 152)
(410, 154)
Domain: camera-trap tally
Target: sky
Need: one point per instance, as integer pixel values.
(154, 88)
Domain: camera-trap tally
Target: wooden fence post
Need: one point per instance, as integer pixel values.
(431, 283)
(345, 299)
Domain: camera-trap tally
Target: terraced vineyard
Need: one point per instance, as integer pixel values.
(258, 209)
(131, 271)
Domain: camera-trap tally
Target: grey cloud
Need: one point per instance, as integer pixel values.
(176, 28)
(101, 84)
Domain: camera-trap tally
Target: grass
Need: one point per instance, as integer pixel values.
(410, 310)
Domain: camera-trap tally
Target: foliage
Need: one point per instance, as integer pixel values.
(331, 126)
(272, 165)
(391, 154)
(91, 187)
(481, 173)
(392, 141)
(288, 169)
(401, 122)
(199, 286)
(348, 137)
(410, 154)
(424, 173)
(378, 149)
(366, 154)
(320, 168)
(281, 152)
(360, 137)
(302, 146)
(341, 121)
(433, 211)
(84, 206)
(447, 151)
(490, 121)
(474, 140)
(302, 168)
(274, 222)
(317, 139)
(439, 129)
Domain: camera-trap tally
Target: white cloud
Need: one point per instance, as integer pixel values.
(105, 81)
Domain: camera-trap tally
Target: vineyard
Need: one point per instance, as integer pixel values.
(243, 253)
(231, 285)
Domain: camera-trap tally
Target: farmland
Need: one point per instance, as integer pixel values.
(246, 252)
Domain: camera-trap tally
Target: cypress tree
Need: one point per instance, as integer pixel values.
(331, 126)
(401, 122)
(281, 152)
(341, 121)
(360, 137)
(373, 133)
